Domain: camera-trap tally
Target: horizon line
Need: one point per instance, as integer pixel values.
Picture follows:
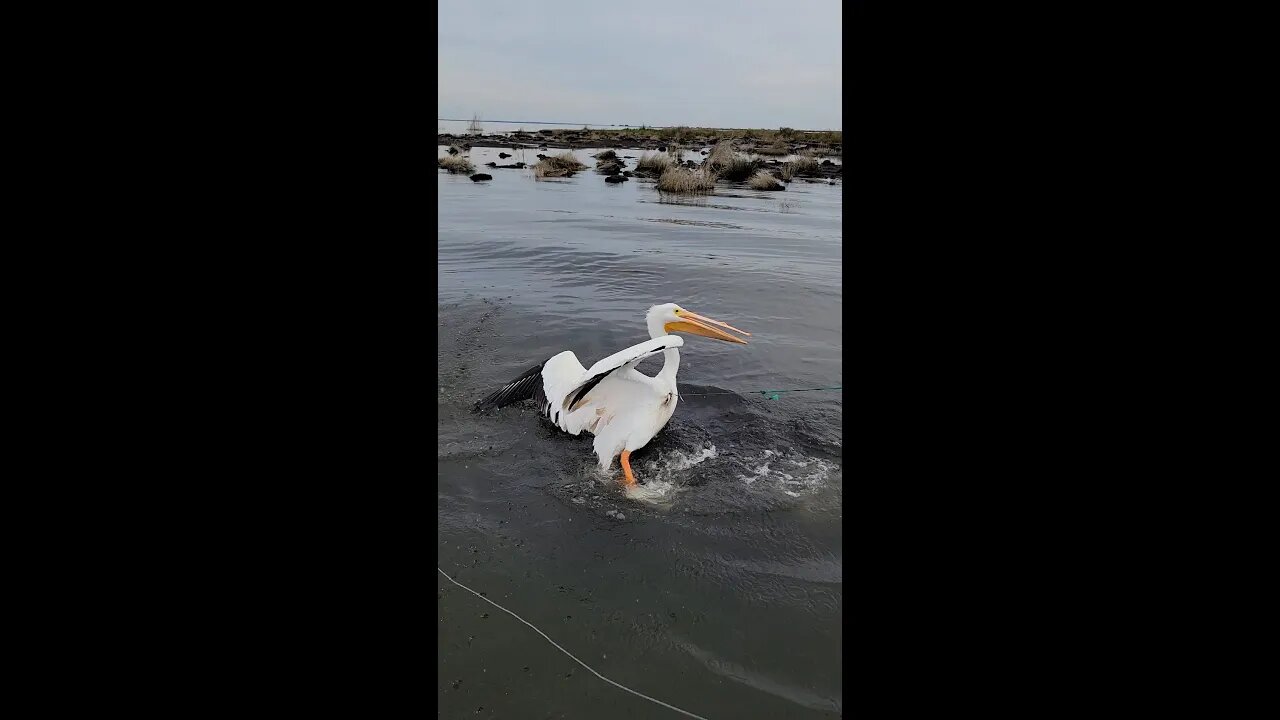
(623, 125)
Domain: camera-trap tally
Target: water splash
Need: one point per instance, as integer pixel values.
(668, 475)
(795, 475)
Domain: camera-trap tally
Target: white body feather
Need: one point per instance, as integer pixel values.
(626, 408)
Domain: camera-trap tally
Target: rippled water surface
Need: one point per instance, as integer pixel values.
(718, 587)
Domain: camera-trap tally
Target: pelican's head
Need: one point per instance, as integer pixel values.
(671, 318)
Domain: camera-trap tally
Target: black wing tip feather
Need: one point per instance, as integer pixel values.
(571, 400)
(522, 388)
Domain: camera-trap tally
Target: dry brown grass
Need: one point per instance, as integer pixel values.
(455, 164)
(543, 170)
(737, 169)
(563, 161)
(688, 134)
(777, 148)
(764, 181)
(654, 164)
(804, 165)
(729, 164)
(681, 180)
(721, 154)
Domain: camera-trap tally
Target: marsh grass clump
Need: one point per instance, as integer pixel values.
(563, 161)
(721, 154)
(686, 135)
(543, 170)
(777, 148)
(821, 151)
(681, 180)
(555, 166)
(655, 164)
(764, 181)
(728, 164)
(804, 165)
(455, 164)
(737, 169)
(679, 134)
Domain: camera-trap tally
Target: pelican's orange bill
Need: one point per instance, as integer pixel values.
(696, 324)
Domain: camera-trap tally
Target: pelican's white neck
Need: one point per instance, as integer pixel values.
(670, 363)
(654, 321)
(671, 356)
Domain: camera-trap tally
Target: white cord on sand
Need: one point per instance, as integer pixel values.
(566, 652)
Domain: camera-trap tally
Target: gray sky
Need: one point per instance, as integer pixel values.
(709, 63)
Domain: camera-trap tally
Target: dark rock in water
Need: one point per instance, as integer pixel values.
(704, 152)
(616, 179)
(662, 148)
(452, 150)
(481, 176)
(629, 157)
(689, 164)
(546, 132)
(504, 156)
(513, 166)
(491, 164)
(827, 162)
(541, 156)
(609, 167)
(627, 173)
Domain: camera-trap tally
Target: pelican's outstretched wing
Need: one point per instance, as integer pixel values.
(577, 399)
(627, 358)
(522, 388)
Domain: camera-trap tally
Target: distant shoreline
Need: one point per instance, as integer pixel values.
(616, 125)
(765, 142)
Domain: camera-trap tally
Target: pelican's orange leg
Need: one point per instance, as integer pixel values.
(626, 467)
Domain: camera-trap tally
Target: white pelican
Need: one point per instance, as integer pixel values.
(621, 406)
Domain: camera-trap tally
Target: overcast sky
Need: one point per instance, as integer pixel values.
(709, 63)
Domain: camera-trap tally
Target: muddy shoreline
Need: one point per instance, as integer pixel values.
(584, 139)
(691, 147)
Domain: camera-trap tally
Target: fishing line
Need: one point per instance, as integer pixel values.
(771, 394)
(566, 652)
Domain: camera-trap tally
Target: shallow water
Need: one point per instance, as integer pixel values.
(716, 587)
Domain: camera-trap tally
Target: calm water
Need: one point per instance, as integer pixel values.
(721, 590)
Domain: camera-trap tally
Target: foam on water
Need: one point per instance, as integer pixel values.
(794, 475)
